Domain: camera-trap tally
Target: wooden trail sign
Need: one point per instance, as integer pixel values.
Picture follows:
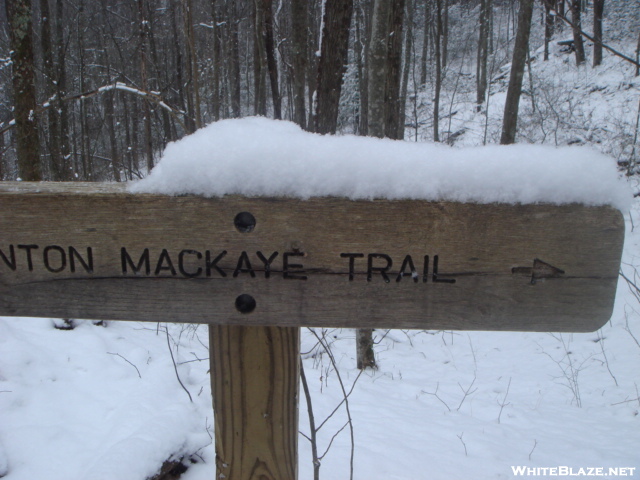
(256, 269)
(96, 251)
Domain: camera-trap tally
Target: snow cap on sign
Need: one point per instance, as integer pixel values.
(256, 156)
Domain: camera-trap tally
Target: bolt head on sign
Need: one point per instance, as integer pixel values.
(96, 251)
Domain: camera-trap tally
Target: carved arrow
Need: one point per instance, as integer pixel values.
(540, 269)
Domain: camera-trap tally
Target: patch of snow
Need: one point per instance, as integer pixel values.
(260, 157)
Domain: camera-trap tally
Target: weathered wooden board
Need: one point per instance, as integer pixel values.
(95, 251)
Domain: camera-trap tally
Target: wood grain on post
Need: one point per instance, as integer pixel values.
(254, 380)
(96, 251)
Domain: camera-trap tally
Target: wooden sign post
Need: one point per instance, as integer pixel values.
(257, 269)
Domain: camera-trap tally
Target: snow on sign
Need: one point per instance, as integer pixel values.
(97, 251)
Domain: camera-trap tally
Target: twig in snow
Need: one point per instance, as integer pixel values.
(466, 392)
(466, 454)
(118, 355)
(504, 400)
(604, 354)
(435, 394)
(628, 329)
(175, 367)
(535, 444)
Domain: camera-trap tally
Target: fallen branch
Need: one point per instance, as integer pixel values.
(589, 37)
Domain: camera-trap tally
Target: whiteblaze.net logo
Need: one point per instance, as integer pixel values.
(563, 471)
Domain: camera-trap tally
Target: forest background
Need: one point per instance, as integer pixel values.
(94, 90)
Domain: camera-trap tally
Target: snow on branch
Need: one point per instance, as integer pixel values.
(118, 86)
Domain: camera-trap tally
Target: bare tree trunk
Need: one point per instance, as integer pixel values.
(2, 169)
(332, 64)
(548, 28)
(24, 91)
(193, 63)
(560, 8)
(61, 80)
(144, 83)
(49, 81)
(444, 52)
(425, 41)
(438, 86)
(483, 54)
(598, 9)
(393, 70)
(272, 65)
(364, 348)
(108, 100)
(363, 34)
(578, 44)
(259, 62)
(234, 61)
(520, 51)
(638, 57)
(407, 65)
(378, 50)
(299, 59)
(217, 62)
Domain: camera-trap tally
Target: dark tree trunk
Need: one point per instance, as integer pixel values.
(49, 82)
(24, 91)
(483, 53)
(61, 81)
(598, 10)
(332, 64)
(378, 51)
(425, 41)
(272, 65)
(578, 44)
(444, 57)
(217, 63)
(407, 65)
(234, 61)
(299, 59)
(520, 51)
(438, 86)
(394, 71)
(192, 56)
(363, 34)
(364, 348)
(259, 62)
(144, 83)
(548, 28)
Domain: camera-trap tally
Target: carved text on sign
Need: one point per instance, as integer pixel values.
(191, 263)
